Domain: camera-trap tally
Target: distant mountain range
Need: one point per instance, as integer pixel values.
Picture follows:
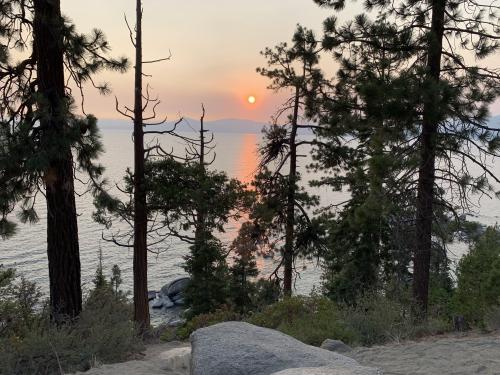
(219, 126)
(190, 125)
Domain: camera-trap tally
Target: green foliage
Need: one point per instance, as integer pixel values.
(247, 293)
(99, 278)
(243, 270)
(366, 247)
(176, 191)
(492, 318)
(27, 146)
(31, 343)
(181, 190)
(208, 286)
(116, 278)
(281, 210)
(377, 320)
(478, 281)
(308, 319)
(416, 91)
(190, 198)
(269, 215)
(373, 320)
(19, 301)
(223, 314)
(266, 292)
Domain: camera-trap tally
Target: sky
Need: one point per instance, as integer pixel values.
(215, 47)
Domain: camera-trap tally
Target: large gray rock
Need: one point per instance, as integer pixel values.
(237, 348)
(336, 346)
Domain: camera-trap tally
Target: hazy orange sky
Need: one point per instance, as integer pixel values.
(215, 47)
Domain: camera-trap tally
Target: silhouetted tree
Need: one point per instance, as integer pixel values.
(40, 136)
(194, 202)
(290, 68)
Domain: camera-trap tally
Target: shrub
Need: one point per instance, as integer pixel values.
(376, 319)
(103, 332)
(308, 319)
(206, 264)
(478, 282)
(266, 292)
(492, 319)
(223, 314)
(18, 304)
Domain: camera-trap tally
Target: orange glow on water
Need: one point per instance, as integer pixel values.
(246, 164)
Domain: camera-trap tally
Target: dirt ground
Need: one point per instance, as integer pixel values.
(452, 354)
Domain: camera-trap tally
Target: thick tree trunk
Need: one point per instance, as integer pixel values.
(141, 306)
(288, 253)
(62, 229)
(425, 195)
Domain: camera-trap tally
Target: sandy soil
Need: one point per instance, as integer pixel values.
(446, 355)
(153, 363)
(453, 354)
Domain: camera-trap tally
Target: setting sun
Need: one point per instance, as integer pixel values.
(251, 99)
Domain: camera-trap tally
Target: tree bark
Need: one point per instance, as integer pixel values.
(141, 305)
(200, 233)
(425, 194)
(62, 227)
(288, 253)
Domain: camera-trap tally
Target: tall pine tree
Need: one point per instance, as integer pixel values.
(368, 122)
(41, 140)
(453, 100)
(283, 204)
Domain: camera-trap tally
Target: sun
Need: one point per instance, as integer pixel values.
(251, 99)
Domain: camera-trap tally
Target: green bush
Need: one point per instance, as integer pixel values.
(376, 319)
(224, 314)
(478, 282)
(31, 344)
(308, 319)
(264, 293)
(19, 301)
(492, 319)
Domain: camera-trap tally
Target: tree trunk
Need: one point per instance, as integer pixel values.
(425, 195)
(141, 305)
(288, 253)
(62, 228)
(200, 212)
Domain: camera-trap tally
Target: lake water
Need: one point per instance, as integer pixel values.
(236, 154)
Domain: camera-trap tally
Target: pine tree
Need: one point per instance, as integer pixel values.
(453, 105)
(186, 201)
(289, 68)
(244, 268)
(190, 197)
(41, 140)
(141, 304)
(135, 212)
(366, 106)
